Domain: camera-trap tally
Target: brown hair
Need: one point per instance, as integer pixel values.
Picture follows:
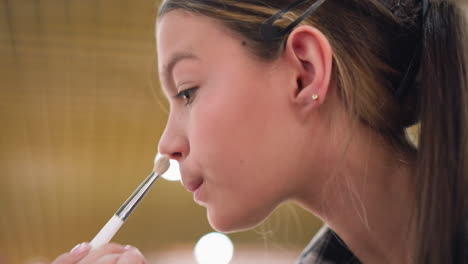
(374, 42)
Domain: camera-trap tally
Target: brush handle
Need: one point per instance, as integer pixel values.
(107, 232)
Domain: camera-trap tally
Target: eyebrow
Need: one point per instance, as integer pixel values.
(169, 67)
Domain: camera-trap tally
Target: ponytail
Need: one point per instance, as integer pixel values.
(442, 161)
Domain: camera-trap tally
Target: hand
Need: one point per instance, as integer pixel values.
(107, 254)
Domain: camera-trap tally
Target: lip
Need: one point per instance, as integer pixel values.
(197, 194)
(194, 185)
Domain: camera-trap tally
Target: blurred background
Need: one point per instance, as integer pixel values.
(80, 118)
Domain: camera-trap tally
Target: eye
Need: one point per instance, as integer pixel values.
(188, 95)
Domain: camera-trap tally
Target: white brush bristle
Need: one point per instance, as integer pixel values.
(161, 165)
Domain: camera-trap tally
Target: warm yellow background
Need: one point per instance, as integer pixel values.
(80, 120)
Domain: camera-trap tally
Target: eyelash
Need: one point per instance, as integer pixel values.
(187, 95)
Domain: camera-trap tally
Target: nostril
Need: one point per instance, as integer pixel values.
(176, 156)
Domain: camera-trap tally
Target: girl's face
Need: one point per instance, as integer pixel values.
(231, 124)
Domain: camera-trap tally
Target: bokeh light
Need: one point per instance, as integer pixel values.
(214, 248)
(173, 173)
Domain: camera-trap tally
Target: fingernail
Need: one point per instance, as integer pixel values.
(80, 248)
(129, 247)
(132, 248)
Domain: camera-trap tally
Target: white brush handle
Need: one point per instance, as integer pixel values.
(107, 232)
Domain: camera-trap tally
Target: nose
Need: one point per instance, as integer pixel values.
(173, 142)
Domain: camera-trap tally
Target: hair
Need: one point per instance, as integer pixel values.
(374, 43)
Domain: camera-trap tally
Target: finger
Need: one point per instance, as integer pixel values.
(130, 256)
(98, 253)
(74, 256)
(133, 256)
(107, 259)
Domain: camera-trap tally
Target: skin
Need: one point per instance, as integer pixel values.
(108, 254)
(254, 138)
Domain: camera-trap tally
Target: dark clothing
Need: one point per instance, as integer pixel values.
(327, 248)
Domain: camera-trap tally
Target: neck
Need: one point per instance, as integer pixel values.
(367, 199)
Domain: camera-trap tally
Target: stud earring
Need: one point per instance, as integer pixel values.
(315, 97)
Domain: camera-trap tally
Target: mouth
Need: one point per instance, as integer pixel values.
(194, 185)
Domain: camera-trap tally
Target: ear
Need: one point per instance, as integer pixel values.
(311, 56)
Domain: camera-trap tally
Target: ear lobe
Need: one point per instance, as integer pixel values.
(311, 54)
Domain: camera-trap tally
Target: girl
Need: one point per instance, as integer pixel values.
(309, 101)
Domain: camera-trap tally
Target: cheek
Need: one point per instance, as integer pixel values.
(219, 146)
(227, 128)
(236, 126)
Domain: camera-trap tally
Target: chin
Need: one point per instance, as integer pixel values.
(231, 222)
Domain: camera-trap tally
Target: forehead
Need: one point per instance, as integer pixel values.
(183, 32)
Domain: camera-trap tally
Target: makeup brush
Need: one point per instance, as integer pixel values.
(113, 225)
